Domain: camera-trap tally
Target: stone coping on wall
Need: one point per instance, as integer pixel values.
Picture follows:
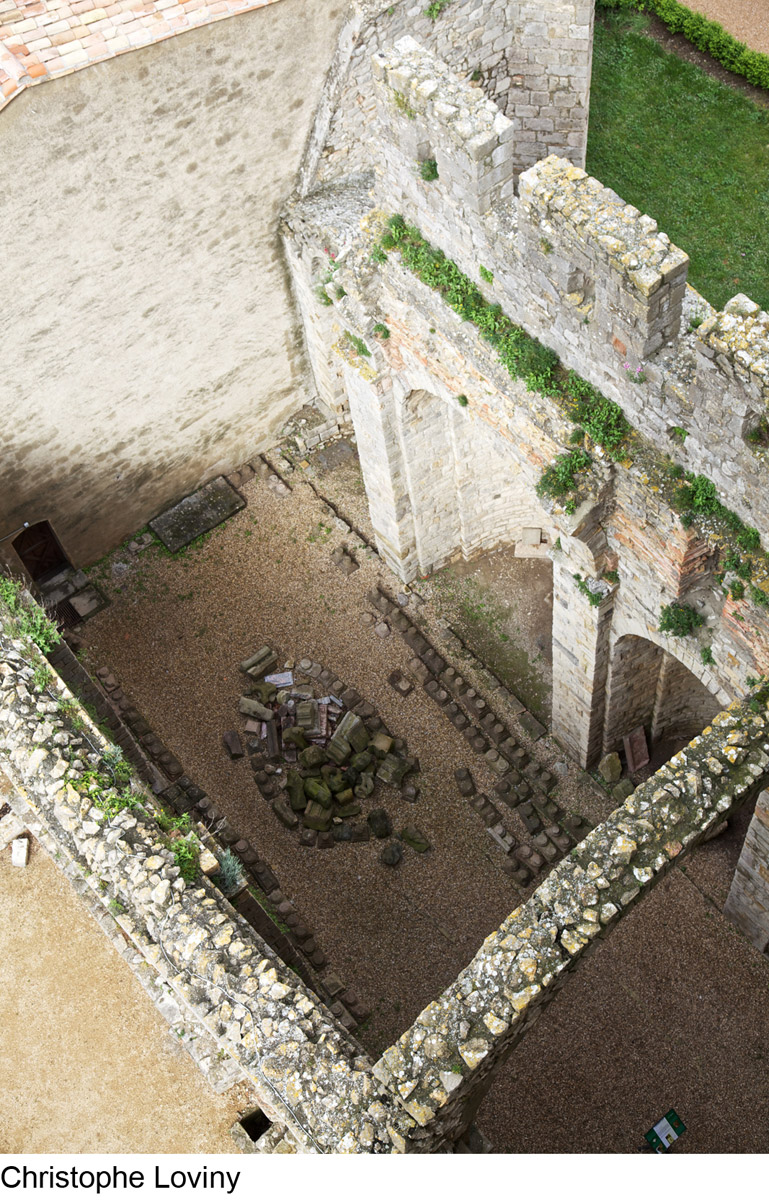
(739, 337)
(485, 1010)
(43, 39)
(423, 84)
(630, 242)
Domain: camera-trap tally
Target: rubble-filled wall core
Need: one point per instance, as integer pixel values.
(151, 329)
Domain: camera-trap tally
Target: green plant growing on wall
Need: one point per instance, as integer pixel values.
(545, 246)
(381, 331)
(594, 598)
(230, 876)
(679, 434)
(463, 400)
(358, 344)
(186, 852)
(428, 170)
(486, 275)
(706, 654)
(42, 677)
(680, 620)
(31, 622)
(403, 106)
(737, 589)
(434, 10)
(560, 477)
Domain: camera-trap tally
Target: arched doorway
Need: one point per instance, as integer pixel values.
(649, 687)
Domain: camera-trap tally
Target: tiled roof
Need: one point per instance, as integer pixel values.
(40, 39)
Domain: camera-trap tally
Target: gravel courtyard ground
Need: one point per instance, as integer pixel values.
(747, 20)
(672, 1010)
(89, 1066)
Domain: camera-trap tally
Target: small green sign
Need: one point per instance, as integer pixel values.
(667, 1131)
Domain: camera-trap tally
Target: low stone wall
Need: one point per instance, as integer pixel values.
(456, 1042)
(307, 1072)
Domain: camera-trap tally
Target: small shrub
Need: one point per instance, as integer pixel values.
(434, 10)
(706, 654)
(323, 296)
(759, 596)
(378, 255)
(429, 170)
(186, 852)
(486, 275)
(42, 677)
(679, 434)
(612, 576)
(358, 344)
(381, 331)
(737, 589)
(560, 477)
(29, 618)
(680, 620)
(230, 876)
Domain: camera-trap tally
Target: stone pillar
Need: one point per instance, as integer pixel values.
(381, 461)
(748, 902)
(580, 666)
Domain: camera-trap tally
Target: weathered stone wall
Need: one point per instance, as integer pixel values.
(596, 281)
(308, 1073)
(150, 325)
(457, 1041)
(748, 901)
(533, 59)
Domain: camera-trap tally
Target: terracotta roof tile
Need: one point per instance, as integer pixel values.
(40, 39)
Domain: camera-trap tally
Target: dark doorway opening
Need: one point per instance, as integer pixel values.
(39, 549)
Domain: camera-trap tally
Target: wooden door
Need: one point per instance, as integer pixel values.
(39, 550)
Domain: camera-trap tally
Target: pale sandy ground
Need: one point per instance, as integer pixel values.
(747, 20)
(88, 1065)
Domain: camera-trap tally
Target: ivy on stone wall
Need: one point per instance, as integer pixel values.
(595, 415)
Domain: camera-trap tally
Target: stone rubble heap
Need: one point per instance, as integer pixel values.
(319, 753)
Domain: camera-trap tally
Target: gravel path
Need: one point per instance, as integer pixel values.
(627, 1037)
(747, 20)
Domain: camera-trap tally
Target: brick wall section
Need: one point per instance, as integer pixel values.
(748, 901)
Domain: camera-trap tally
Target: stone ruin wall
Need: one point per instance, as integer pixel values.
(596, 281)
(532, 58)
(312, 1079)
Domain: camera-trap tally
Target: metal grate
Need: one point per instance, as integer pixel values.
(64, 615)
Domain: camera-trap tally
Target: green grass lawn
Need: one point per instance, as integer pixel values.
(686, 149)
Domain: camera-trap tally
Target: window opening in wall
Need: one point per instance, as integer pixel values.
(40, 551)
(255, 1124)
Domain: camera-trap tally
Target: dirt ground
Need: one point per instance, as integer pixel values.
(88, 1065)
(671, 1011)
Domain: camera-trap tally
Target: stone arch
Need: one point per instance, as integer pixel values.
(466, 488)
(651, 687)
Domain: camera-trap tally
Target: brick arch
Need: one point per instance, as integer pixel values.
(665, 693)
